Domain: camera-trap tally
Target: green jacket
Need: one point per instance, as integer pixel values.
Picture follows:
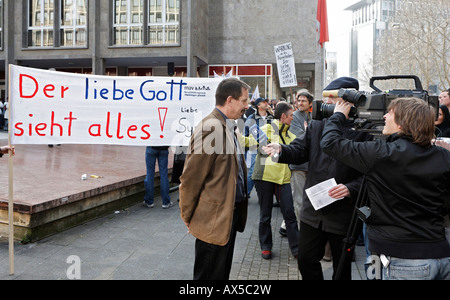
(265, 168)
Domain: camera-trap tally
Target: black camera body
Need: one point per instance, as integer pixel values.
(369, 108)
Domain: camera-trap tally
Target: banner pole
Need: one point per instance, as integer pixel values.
(10, 183)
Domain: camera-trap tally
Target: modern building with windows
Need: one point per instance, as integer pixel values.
(164, 38)
(369, 21)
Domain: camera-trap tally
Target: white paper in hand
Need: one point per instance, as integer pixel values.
(318, 194)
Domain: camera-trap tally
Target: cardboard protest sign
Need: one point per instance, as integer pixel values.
(49, 107)
(286, 65)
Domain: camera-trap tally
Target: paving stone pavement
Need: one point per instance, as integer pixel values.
(149, 244)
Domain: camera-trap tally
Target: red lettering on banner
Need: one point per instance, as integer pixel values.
(98, 127)
(146, 132)
(49, 88)
(63, 90)
(162, 119)
(108, 120)
(53, 124)
(132, 131)
(64, 128)
(70, 118)
(119, 119)
(18, 127)
(34, 85)
(41, 129)
(21, 85)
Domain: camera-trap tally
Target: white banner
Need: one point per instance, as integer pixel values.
(49, 107)
(286, 65)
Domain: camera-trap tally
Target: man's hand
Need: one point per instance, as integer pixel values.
(339, 191)
(343, 107)
(442, 144)
(272, 149)
(6, 149)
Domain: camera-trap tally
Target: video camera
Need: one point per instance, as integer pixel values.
(369, 108)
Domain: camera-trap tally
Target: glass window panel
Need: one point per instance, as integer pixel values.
(155, 33)
(81, 37)
(81, 12)
(67, 37)
(172, 34)
(136, 18)
(172, 10)
(137, 11)
(136, 35)
(164, 16)
(67, 19)
(48, 12)
(73, 21)
(35, 13)
(35, 39)
(81, 18)
(121, 12)
(128, 23)
(120, 36)
(155, 11)
(48, 37)
(40, 23)
(82, 5)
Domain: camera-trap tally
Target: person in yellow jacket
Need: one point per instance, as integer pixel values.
(272, 178)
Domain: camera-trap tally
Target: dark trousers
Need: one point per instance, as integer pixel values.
(312, 248)
(283, 193)
(213, 262)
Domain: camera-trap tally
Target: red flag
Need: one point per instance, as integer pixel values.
(322, 19)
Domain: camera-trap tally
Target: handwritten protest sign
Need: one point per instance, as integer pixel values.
(49, 107)
(286, 65)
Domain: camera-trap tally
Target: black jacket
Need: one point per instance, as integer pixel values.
(408, 187)
(336, 217)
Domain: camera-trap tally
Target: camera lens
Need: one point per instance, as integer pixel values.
(351, 96)
(322, 110)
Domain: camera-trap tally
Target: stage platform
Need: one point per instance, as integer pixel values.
(50, 195)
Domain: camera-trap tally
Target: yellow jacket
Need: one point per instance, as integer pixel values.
(265, 168)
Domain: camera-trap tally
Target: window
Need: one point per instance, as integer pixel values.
(73, 26)
(149, 22)
(128, 22)
(164, 22)
(70, 24)
(40, 23)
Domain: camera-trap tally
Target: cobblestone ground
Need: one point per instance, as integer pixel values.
(282, 266)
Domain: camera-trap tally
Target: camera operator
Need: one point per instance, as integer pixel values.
(408, 183)
(330, 223)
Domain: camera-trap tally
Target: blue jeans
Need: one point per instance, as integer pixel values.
(417, 269)
(250, 183)
(151, 155)
(265, 191)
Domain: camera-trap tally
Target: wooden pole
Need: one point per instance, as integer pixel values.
(10, 184)
(11, 215)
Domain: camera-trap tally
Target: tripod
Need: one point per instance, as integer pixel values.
(361, 213)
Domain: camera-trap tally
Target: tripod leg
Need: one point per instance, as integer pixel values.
(355, 227)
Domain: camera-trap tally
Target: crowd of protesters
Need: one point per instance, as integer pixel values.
(283, 152)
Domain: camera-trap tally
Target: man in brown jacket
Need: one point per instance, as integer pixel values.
(213, 198)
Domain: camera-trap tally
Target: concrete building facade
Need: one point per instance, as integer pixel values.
(164, 37)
